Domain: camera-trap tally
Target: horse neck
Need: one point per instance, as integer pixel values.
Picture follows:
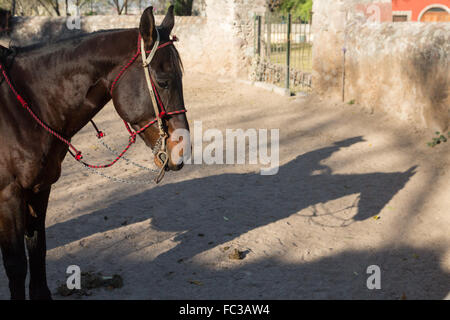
(68, 86)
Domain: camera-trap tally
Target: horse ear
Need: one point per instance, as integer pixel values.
(147, 27)
(169, 20)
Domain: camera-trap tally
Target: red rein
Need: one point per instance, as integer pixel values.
(72, 150)
(35, 117)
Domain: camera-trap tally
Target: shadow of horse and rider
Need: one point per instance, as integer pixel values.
(235, 204)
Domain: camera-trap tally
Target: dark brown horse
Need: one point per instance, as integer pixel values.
(66, 84)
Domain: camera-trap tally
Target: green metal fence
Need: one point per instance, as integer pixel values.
(283, 51)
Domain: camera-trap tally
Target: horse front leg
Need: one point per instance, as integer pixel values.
(12, 230)
(36, 245)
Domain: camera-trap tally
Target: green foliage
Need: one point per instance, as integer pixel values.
(183, 7)
(5, 4)
(298, 8)
(440, 138)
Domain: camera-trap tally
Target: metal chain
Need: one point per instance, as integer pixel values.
(115, 179)
(114, 152)
(158, 145)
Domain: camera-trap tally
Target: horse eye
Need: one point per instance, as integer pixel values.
(163, 84)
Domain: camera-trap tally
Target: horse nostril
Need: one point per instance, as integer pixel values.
(176, 167)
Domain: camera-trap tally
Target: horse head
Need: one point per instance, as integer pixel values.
(153, 103)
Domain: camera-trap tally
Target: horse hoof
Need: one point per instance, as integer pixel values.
(42, 294)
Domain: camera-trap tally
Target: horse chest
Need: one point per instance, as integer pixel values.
(39, 172)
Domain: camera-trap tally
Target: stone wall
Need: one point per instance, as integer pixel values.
(28, 30)
(401, 68)
(220, 43)
(230, 34)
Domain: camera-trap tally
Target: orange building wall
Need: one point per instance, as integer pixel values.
(416, 6)
(385, 10)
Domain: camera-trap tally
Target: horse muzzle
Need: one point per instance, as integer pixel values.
(163, 160)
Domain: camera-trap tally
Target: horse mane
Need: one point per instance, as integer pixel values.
(175, 55)
(176, 60)
(63, 41)
(53, 45)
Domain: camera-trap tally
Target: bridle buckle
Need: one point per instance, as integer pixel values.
(164, 158)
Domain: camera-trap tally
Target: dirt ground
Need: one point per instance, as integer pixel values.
(354, 189)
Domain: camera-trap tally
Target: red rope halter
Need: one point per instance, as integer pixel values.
(75, 152)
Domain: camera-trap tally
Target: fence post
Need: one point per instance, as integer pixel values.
(268, 24)
(288, 51)
(258, 35)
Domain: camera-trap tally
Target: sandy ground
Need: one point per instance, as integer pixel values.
(309, 232)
